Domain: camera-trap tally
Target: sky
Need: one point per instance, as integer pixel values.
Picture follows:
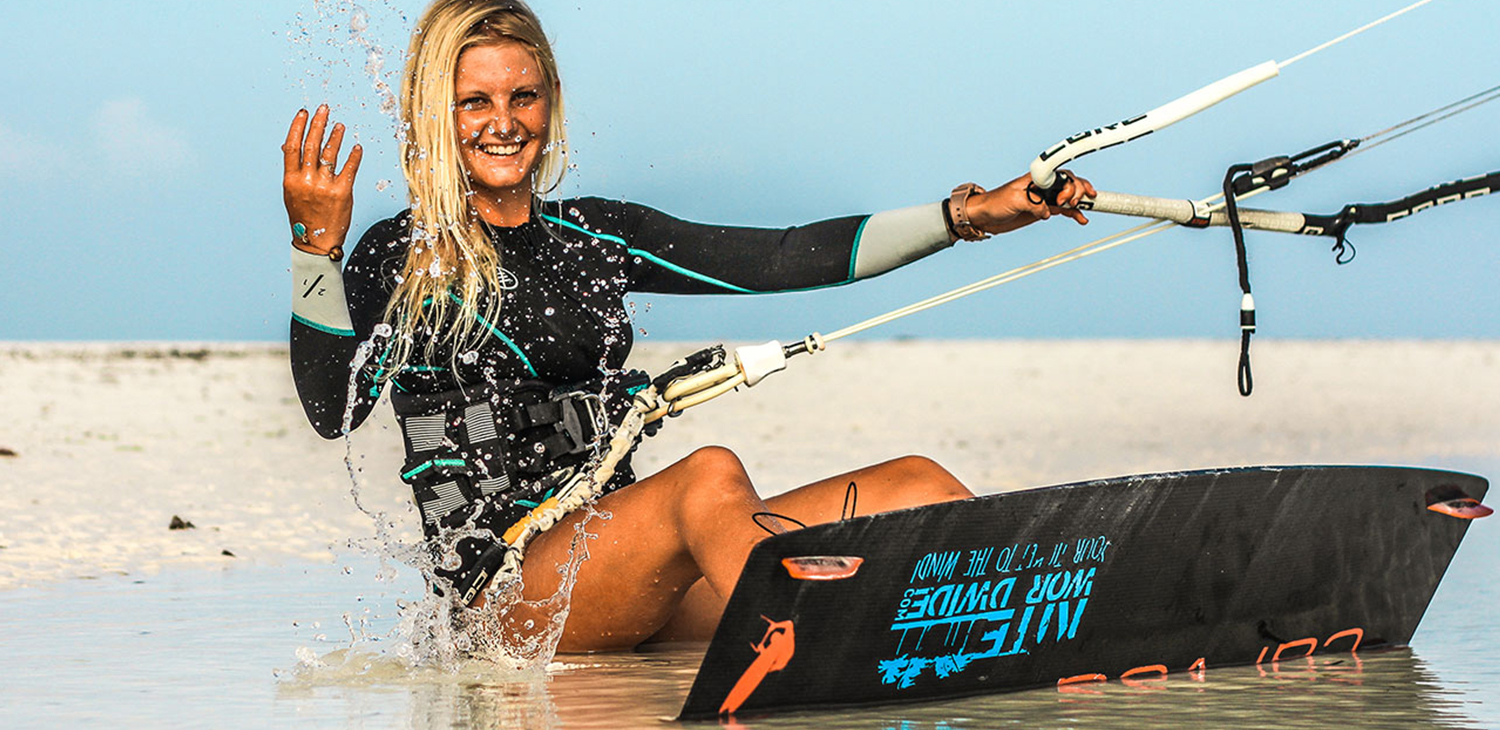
(140, 169)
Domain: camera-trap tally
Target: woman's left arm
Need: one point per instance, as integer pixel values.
(673, 256)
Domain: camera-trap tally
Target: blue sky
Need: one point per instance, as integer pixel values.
(140, 171)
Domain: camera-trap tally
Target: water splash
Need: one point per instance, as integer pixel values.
(349, 33)
(341, 51)
(509, 633)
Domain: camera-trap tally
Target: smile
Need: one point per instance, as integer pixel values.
(501, 150)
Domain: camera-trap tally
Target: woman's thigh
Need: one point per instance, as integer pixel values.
(909, 481)
(627, 584)
(661, 535)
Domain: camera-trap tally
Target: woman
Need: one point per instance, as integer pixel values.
(488, 309)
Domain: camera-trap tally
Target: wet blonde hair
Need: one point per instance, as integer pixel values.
(452, 269)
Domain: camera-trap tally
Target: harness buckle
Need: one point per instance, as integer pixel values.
(584, 434)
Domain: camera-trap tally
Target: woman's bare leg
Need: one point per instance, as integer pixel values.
(910, 481)
(692, 520)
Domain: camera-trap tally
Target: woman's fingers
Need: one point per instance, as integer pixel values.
(330, 154)
(1076, 215)
(314, 141)
(1072, 194)
(351, 166)
(291, 151)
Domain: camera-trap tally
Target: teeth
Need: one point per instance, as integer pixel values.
(500, 149)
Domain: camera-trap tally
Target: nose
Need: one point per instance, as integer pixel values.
(503, 123)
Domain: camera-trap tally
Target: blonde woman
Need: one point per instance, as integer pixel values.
(495, 320)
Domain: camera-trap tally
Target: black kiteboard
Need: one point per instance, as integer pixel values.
(1128, 578)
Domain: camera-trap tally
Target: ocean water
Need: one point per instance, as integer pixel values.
(312, 645)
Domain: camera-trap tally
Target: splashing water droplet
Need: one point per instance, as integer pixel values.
(308, 658)
(549, 311)
(470, 357)
(381, 185)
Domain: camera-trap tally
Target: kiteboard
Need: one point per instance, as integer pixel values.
(1128, 579)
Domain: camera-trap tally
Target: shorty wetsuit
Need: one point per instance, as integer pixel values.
(562, 318)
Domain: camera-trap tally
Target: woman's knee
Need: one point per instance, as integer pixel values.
(922, 475)
(713, 476)
(714, 460)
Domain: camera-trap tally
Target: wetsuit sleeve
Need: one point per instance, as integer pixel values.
(673, 256)
(333, 313)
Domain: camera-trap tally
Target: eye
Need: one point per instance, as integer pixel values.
(472, 103)
(525, 98)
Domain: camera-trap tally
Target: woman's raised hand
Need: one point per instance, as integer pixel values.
(317, 197)
(1009, 207)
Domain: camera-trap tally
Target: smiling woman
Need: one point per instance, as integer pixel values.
(503, 116)
(496, 315)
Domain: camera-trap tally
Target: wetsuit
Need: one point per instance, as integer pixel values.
(562, 318)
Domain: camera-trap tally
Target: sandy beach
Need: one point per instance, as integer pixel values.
(106, 443)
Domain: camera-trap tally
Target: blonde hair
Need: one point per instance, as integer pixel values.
(451, 271)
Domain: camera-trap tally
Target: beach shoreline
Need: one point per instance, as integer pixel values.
(112, 440)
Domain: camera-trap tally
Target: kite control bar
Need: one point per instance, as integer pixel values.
(1046, 182)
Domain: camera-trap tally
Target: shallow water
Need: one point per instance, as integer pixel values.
(192, 648)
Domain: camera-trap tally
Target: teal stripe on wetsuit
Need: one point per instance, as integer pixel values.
(653, 258)
(496, 332)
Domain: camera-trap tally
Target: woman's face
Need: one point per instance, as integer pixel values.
(502, 109)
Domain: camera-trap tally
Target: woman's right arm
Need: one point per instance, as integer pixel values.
(324, 337)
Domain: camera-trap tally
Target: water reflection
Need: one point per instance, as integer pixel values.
(182, 645)
(1389, 689)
